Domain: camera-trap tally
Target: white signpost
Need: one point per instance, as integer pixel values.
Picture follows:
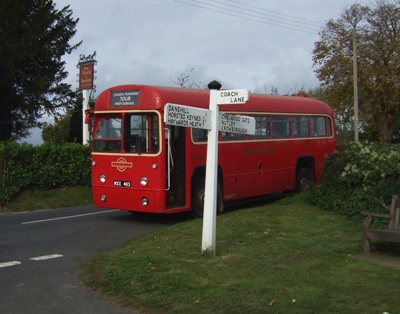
(213, 121)
(217, 97)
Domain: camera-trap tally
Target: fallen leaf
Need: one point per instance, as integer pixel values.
(271, 303)
(197, 302)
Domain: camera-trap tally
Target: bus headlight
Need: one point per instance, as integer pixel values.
(102, 198)
(154, 166)
(102, 178)
(145, 201)
(143, 181)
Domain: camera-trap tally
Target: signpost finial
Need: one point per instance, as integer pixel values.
(214, 85)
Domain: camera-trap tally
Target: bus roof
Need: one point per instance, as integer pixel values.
(155, 97)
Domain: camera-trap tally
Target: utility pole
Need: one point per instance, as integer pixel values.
(355, 86)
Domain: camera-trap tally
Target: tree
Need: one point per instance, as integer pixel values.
(57, 133)
(378, 44)
(68, 128)
(33, 38)
(187, 79)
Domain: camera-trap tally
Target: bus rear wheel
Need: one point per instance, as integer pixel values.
(304, 179)
(197, 207)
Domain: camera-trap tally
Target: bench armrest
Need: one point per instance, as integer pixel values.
(366, 214)
(369, 216)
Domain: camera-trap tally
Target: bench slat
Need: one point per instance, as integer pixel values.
(387, 235)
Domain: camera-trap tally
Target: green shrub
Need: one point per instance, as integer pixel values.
(361, 177)
(42, 167)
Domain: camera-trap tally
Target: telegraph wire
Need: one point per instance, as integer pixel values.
(256, 16)
(251, 17)
(300, 19)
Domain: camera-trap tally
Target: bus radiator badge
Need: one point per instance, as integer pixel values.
(121, 164)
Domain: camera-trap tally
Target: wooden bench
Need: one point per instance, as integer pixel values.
(391, 234)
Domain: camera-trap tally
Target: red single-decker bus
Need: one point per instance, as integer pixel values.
(141, 164)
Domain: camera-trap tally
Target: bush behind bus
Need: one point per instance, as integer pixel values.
(23, 166)
(359, 177)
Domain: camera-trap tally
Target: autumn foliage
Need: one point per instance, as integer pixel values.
(377, 29)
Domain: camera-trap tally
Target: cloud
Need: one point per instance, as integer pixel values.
(152, 41)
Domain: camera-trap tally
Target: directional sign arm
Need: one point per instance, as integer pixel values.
(237, 123)
(232, 96)
(187, 116)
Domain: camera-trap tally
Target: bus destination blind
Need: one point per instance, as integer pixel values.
(125, 97)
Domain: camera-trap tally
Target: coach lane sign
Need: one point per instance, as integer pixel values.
(232, 96)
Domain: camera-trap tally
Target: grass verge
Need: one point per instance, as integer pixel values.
(54, 198)
(284, 257)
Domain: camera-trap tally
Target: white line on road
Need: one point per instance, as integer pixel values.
(8, 264)
(66, 217)
(46, 257)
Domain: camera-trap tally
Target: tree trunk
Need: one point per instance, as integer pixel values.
(5, 128)
(386, 130)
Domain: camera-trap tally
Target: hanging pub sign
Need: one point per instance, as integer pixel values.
(86, 76)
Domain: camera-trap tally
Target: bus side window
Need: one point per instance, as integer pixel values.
(329, 126)
(229, 136)
(280, 127)
(318, 126)
(199, 135)
(262, 128)
(301, 127)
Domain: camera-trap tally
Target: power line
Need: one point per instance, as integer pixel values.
(306, 26)
(300, 19)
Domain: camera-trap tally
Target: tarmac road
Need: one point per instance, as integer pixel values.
(41, 251)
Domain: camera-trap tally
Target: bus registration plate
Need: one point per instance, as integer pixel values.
(126, 184)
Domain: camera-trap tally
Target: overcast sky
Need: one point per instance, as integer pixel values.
(252, 44)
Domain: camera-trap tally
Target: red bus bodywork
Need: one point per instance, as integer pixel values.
(164, 172)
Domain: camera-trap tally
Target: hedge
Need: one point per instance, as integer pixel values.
(361, 177)
(23, 166)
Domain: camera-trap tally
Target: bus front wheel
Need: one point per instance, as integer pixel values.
(197, 207)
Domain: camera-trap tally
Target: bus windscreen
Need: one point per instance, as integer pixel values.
(129, 132)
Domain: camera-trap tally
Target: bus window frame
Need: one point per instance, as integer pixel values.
(107, 144)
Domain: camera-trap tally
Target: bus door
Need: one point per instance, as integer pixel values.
(176, 162)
